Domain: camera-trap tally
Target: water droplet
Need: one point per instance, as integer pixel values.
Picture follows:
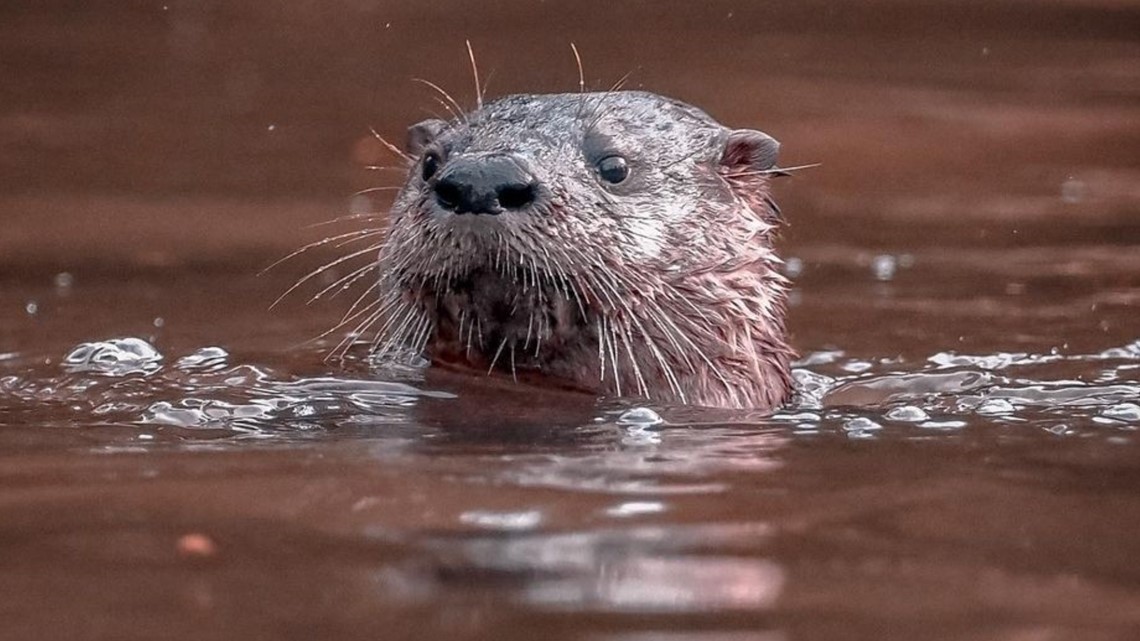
(159, 321)
(857, 367)
(32, 308)
(502, 520)
(942, 425)
(64, 280)
(884, 267)
(793, 266)
(634, 508)
(360, 205)
(795, 298)
(1073, 191)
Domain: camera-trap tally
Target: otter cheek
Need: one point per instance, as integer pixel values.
(646, 235)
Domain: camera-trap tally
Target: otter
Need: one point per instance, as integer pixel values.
(618, 243)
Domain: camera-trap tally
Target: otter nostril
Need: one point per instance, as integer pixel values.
(448, 194)
(516, 195)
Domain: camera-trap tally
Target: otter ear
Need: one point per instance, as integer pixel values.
(749, 150)
(422, 134)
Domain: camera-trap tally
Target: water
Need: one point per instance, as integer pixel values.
(178, 460)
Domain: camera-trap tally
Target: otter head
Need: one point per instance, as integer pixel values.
(617, 242)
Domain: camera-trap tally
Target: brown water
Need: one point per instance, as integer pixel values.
(963, 462)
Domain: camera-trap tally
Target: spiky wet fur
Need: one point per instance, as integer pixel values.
(665, 288)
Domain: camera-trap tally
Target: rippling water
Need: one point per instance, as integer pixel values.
(179, 460)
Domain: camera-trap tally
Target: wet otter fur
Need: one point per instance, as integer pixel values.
(619, 243)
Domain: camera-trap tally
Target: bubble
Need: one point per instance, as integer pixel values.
(908, 414)
(996, 406)
(205, 358)
(860, 427)
(639, 417)
(115, 357)
(1123, 412)
(32, 308)
(861, 423)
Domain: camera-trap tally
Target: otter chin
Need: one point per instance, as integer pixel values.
(618, 243)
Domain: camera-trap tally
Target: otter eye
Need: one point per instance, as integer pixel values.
(613, 169)
(430, 165)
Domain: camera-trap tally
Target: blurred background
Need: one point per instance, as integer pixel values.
(182, 130)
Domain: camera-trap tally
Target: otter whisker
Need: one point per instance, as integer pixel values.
(598, 113)
(354, 217)
(371, 190)
(389, 146)
(601, 350)
(774, 171)
(611, 342)
(581, 74)
(343, 346)
(356, 310)
(459, 113)
(475, 73)
(498, 352)
(367, 309)
(396, 326)
(322, 269)
(384, 168)
(342, 283)
(446, 107)
(666, 369)
(542, 329)
(641, 386)
(358, 234)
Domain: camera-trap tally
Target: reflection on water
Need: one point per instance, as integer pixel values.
(177, 460)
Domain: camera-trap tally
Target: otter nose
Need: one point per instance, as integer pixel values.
(487, 185)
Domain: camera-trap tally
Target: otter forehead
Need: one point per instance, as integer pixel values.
(641, 120)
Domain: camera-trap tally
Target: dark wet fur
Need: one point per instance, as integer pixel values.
(664, 286)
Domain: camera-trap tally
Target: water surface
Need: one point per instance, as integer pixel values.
(178, 460)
